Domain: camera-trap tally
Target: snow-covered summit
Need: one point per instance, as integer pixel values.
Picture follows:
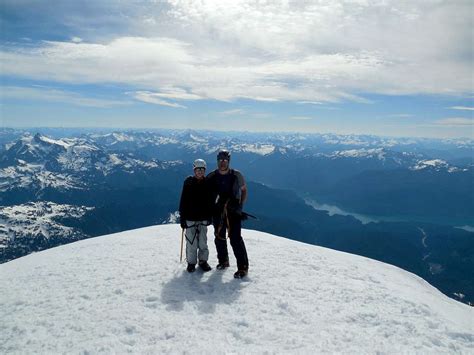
(40, 149)
(127, 292)
(435, 164)
(31, 148)
(378, 153)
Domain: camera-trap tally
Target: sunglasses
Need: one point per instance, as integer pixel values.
(219, 160)
(200, 169)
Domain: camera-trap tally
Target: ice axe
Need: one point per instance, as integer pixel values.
(246, 216)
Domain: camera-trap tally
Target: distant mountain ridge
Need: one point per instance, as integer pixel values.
(41, 176)
(98, 183)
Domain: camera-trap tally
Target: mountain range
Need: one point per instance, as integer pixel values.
(70, 185)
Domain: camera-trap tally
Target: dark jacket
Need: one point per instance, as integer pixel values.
(195, 203)
(225, 189)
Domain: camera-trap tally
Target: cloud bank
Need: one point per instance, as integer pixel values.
(59, 96)
(303, 52)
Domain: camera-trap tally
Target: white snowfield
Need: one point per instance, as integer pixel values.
(128, 293)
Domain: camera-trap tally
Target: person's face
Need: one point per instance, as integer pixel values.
(199, 173)
(223, 164)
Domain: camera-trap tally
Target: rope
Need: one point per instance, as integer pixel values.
(224, 217)
(196, 234)
(196, 231)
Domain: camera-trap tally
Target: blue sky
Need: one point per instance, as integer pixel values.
(367, 67)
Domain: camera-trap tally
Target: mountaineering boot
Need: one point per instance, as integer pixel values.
(205, 266)
(223, 265)
(191, 267)
(242, 272)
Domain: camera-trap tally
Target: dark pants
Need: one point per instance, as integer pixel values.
(236, 241)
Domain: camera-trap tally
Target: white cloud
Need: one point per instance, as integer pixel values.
(162, 62)
(76, 39)
(237, 111)
(153, 98)
(414, 47)
(171, 93)
(47, 94)
(124, 60)
(312, 52)
(310, 103)
(466, 108)
(456, 121)
(177, 94)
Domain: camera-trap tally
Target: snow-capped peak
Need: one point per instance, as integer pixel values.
(47, 140)
(433, 162)
(197, 138)
(436, 164)
(121, 137)
(378, 153)
(128, 293)
(256, 148)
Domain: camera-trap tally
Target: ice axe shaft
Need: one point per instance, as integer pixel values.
(246, 215)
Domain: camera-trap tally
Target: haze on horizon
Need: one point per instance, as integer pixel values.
(347, 67)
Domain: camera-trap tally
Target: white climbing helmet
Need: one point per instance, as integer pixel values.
(199, 163)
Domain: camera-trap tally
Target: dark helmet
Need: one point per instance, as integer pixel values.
(223, 154)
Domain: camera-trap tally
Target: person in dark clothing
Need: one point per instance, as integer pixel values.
(229, 194)
(195, 209)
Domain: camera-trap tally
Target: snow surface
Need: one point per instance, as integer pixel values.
(127, 292)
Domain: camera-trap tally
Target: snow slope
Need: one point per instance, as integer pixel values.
(127, 292)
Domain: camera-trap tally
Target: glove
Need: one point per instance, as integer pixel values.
(183, 224)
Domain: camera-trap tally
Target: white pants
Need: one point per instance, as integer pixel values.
(196, 242)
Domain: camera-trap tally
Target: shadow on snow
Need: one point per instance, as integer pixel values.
(206, 294)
